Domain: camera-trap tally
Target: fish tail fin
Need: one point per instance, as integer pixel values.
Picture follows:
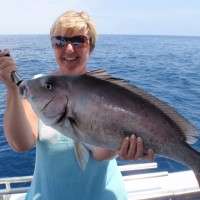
(191, 134)
(197, 175)
(192, 159)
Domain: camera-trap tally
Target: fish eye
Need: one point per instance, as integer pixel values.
(48, 86)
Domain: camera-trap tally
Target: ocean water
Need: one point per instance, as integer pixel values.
(165, 66)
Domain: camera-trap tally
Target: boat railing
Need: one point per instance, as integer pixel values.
(142, 181)
(13, 185)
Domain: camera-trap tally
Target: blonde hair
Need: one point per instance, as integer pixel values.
(72, 22)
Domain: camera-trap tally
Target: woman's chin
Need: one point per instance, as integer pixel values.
(72, 70)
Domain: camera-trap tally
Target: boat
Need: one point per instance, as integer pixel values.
(142, 182)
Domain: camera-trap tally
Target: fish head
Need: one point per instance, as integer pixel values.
(48, 96)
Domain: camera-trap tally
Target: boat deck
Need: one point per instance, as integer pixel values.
(160, 185)
(140, 182)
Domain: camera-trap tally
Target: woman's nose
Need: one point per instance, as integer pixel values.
(69, 47)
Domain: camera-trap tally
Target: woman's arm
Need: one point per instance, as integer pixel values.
(20, 122)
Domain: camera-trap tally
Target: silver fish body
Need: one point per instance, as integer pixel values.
(100, 112)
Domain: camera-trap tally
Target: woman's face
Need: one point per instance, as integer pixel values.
(72, 57)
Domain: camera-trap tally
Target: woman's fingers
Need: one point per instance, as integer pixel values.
(150, 155)
(132, 148)
(124, 148)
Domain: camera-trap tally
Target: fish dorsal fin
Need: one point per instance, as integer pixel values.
(189, 131)
(102, 74)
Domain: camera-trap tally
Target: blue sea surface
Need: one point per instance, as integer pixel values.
(165, 66)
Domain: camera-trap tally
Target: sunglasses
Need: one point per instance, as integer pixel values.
(76, 41)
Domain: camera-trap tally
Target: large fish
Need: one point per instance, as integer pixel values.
(96, 109)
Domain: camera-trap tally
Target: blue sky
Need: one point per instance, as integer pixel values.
(159, 17)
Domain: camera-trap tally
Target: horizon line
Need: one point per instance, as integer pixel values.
(125, 34)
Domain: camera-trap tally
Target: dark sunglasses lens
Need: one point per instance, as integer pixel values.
(57, 42)
(79, 39)
(60, 41)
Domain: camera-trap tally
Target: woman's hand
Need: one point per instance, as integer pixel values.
(132, 148)
(7, 65)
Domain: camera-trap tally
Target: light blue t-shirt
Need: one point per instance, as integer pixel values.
(57, 175)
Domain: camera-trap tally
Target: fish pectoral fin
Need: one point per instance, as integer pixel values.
(82, 155)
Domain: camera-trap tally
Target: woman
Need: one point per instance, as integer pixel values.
(57, 174)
